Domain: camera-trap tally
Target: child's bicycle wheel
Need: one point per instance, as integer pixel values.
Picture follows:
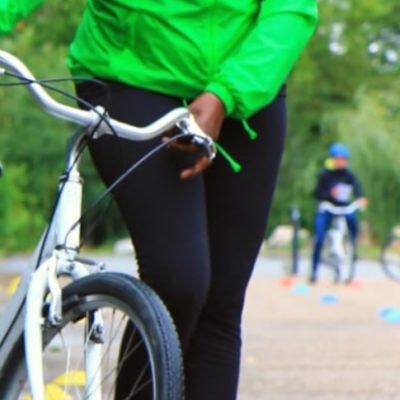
(132, 314)
(343, 264)
(347, 263)
(331, 261)
(390, 257)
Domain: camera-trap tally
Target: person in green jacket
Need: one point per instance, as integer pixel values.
(197, 228)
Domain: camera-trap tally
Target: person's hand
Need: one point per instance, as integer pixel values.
(209, 112)
(334, 192)
(363, 201)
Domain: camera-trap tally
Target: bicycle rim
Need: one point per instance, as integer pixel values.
(148, 366)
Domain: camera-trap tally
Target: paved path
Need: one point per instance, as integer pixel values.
(266, 266)
(325, 342)
(301, 342)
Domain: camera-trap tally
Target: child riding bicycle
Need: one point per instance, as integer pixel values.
(337, 185)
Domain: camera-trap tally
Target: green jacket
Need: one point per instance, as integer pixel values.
(241, 50)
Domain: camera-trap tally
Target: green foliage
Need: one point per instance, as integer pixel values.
(32, 143)
(344, 87)
(371, 131)
(19, 224)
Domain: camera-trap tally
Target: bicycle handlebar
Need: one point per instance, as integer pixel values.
(179, 117)
(340, 210)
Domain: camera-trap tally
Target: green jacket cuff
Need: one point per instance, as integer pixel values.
(223, 93)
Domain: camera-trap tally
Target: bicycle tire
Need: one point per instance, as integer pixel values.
(147, 317)
(347, 266)
(330, 261)
(344, 270)
(390, 257)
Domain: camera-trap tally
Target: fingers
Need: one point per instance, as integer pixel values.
(189, 147)
(200, 165)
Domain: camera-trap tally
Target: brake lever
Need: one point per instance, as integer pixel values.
(190, 127)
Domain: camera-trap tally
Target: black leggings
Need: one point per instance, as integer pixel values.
(196, 240)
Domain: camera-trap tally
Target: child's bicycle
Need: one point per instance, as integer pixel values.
(339, 252)
(62, 341)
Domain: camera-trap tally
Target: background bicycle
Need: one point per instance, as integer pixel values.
(65, 338)
(390, 254)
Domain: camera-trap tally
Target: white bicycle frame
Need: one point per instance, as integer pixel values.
(339, 227)
(39, 285)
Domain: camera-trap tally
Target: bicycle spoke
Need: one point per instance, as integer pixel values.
(120, 364)
(108, 352)
(135, 390)
(125, 356)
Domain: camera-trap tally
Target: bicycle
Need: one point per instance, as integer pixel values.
(340, 252)
(84, 321)
(390, 255)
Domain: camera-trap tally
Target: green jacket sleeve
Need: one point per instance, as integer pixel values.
(12, 11)
(251, 78)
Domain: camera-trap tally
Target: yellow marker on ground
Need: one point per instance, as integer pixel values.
(53, 392)
(73, 378)
(12, 287)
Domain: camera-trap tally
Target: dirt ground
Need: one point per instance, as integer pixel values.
(298, 347)
(325, 342)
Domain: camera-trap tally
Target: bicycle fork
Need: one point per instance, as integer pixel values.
(64, 261)
(44, 282)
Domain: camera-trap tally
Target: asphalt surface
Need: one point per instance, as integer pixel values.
(266, 266)
(300, 342)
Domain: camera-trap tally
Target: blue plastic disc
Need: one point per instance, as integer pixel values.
(301, 288)
(390, 314)
(329, 299)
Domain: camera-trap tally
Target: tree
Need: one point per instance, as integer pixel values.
(352, 53)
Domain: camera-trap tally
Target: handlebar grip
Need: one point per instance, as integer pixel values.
(190, 127)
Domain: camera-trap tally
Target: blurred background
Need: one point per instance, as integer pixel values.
(325, 342)
(345, 87)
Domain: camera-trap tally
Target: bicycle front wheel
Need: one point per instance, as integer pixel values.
(390, 257)
(138, 353)
(347, 265)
